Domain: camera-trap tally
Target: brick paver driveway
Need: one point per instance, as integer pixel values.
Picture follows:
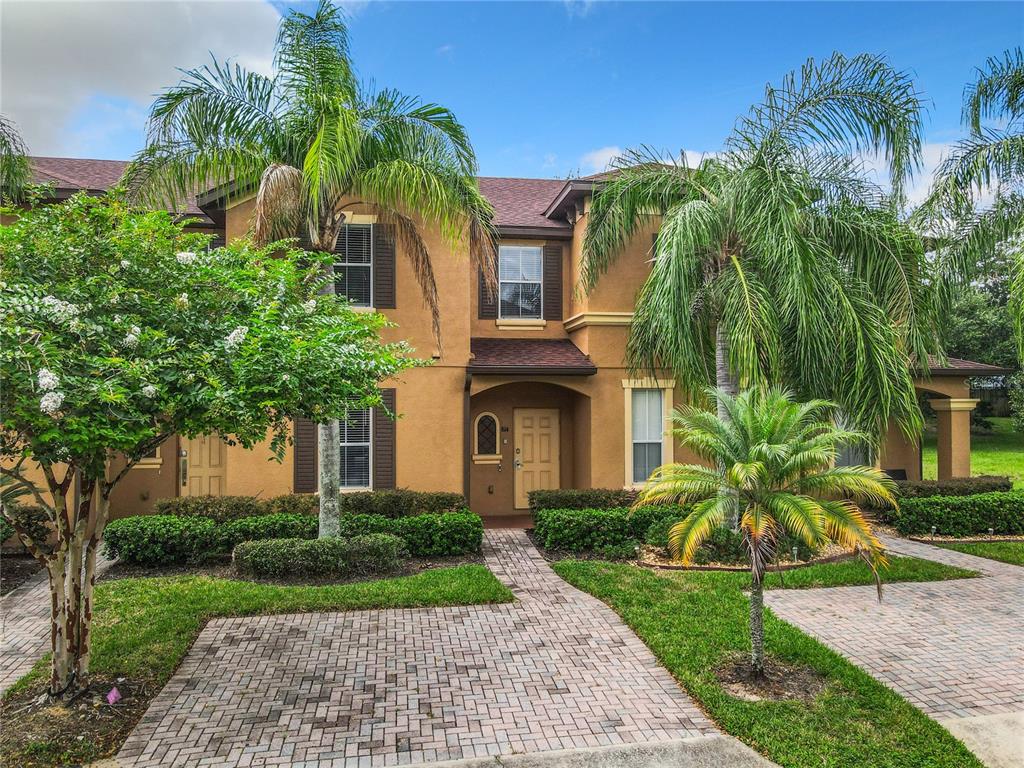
(555, 670)
(954, 649)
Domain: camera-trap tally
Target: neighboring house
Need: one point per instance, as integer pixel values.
(529, 389)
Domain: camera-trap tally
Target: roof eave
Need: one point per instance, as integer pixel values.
(519, 230)
(531, 370)
(572, 191)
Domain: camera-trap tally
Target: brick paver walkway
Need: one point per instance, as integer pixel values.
(555, 670)
(25, 625)
(954, 648)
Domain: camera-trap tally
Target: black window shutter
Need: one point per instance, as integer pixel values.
(383, 266)
(384, 442)
(305, 448)
(488, 304)
(553, 281)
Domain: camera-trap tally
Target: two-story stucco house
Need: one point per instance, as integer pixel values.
(529, 388)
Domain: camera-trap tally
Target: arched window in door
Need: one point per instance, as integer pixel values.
(486, 433)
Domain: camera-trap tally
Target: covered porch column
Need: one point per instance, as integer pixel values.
(954, 435)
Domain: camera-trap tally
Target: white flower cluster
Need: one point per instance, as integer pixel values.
(235, 338)
(310, 306)
(131, 340)
(182, 301)
(125, 263)
(50, 403)
(59, 311)
(149, 391)
(47, 379)
(185, 257)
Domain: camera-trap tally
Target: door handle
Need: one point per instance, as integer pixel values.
(183, 468)
(518, 464)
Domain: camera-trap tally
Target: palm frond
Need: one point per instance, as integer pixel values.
(279, 209)
(15, 171)
(998, 91)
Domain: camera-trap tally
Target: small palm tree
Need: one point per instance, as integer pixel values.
(989, 160)
(772, 465)
(777, 261)
(306, 140)
(15, 171)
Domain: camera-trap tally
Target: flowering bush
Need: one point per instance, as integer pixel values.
(120, 328)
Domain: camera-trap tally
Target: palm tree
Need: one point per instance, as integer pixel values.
(777, 260)
(307, 139)
(990, 159)
(15, 171)
(773, 464)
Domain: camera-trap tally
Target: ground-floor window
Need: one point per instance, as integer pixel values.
(355, 449)
(648, 428)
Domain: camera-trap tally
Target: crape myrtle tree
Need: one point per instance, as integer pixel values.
(773, 459)
(778, 261)
(310, 140)
(119, 329)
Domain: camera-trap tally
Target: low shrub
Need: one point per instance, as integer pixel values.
(293, 504)
(616, 552)
(6, 530)
(433, 535)
(957, 486)
(161, 539)
(281, 526)
(370, 555)
(583, 530)
(31, 518)
(1003, 512)
(401, 502)
(723, 545)
(219, 508)
(581, 498)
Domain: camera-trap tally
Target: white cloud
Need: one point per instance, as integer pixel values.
(578, 8)
(598, 160)
(445, 50)
(60, 58)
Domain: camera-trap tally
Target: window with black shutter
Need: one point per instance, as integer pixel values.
(355, 449)
(353, 267)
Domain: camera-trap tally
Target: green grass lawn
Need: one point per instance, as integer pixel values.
(693, 621)
(1000, 452)
(1004, 551)
(855, 572)
(143, 627)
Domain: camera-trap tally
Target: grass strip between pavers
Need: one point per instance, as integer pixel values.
(694, 621)
(1004, 551)
(143, 627)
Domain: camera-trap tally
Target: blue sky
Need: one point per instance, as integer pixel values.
(546, 89)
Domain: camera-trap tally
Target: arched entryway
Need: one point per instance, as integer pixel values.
(525, 435)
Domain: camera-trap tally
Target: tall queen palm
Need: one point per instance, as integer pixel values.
(305, 140)
(778, 260)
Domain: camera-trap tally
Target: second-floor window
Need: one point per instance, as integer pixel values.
(353, 265)
(520, 272)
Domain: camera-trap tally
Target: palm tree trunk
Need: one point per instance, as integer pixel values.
(757, 629)
(725, 382)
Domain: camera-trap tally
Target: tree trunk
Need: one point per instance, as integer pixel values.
(71, 569)
(757, 629)
(725, 382)
(329, 433)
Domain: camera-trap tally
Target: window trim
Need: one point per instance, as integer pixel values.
(369, 445)
(667, 387)
(357, 220)
(486, 458)
(501, 319)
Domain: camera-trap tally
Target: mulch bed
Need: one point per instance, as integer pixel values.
(657, 559)
(781, 681)
(37, 734)
(15, 570)
(222, 569)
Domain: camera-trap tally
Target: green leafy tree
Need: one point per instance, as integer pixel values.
(773, 466)
(119, 329)
(778, 261)
(15, 171)
(975, 208)
(307, 139)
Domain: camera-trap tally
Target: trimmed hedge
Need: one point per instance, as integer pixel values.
(441, 535)
(723, 545)
(582, 530)
(370, 555)
(962, 515)
(168, 539)
(957, 486)
(582, 498)
(161, 539)
(394, 504)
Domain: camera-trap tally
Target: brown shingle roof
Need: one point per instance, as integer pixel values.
(954, 366)
(521, 202)
(72, 174)
(528, 356)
